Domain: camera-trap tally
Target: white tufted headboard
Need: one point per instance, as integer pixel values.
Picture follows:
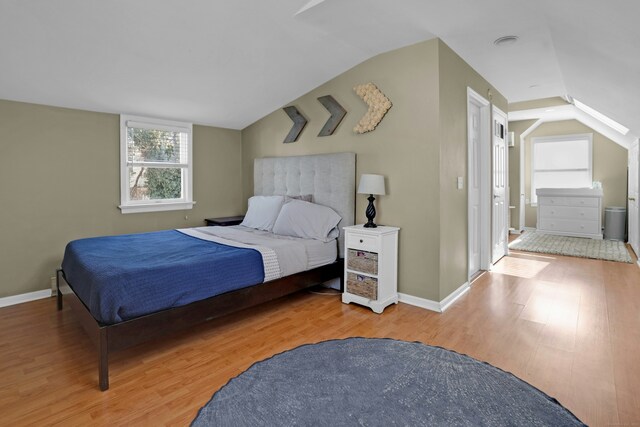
(330, 178)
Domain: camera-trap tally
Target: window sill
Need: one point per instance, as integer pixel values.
(156, 207)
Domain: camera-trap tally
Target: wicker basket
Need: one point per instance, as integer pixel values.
(363, 286)
(363, 261)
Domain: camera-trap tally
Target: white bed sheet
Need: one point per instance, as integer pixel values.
(318, 253)
(293, 254)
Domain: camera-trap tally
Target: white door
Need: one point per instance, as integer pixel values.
(499, 223)
(473, 126)
(634, 193)
(477, 182)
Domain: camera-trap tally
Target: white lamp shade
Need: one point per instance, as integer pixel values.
(371, 184)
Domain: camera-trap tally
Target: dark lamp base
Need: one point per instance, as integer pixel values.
(370, 213)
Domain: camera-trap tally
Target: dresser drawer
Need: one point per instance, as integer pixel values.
(552, 201)
(362, 241)
(362, 261)
(584, 201)
(569, 226)
(364, 286)
(569, 212)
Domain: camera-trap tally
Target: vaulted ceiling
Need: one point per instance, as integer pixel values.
(229, 63)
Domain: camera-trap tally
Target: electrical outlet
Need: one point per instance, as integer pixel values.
(54, 288)
(460, 183)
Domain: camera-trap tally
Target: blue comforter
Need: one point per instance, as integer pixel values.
(122, 277)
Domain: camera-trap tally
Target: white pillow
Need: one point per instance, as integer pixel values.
(298, 218)
(262, 212)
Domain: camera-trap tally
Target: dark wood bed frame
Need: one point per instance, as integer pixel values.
(109, 338)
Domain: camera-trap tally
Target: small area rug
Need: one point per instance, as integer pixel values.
(378, 382)
(608, 250)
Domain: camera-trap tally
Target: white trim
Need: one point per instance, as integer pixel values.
(454, 296)
(156, 207)
(30, 296)
(428, 304)
(529, 228)
(570, 112)
(420, 302)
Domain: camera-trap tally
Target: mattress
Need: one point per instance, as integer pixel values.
(123, 277)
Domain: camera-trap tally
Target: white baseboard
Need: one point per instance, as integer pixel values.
(453, 296)
(19, 299)
(529, 229)
(420, 302)
(428, 304)
(514, 231)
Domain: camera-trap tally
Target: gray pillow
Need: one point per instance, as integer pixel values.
(303, 197)
(307, 220)
(262, 212)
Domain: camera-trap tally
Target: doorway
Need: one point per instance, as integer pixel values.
(478, 191)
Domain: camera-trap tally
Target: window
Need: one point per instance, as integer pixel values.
(155, 165)
(560, 162)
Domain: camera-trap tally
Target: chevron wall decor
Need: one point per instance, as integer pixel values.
(378, 107)
(299, 122)
(337, 114)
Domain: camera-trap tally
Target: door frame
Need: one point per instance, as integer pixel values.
(485, 173)
(633, 236)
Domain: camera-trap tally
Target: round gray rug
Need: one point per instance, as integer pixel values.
(374, 382)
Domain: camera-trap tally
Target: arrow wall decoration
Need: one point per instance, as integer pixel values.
(337, 114)
(378, 107)
(299, 122)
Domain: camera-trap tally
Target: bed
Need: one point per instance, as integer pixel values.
(118, 307)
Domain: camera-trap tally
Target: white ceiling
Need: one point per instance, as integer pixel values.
(229, 63)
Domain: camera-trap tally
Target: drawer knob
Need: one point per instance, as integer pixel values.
(361, 240)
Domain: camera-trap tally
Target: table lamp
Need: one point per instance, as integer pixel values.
(371, 184)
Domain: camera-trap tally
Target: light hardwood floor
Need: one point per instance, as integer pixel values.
(568, 326)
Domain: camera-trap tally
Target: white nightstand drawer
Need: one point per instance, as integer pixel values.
(362, 261)
(361, 241)
(362, 286)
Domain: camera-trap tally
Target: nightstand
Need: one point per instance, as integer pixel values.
(371, 266)
(225, 221)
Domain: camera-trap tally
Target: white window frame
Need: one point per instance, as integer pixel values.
(559, 138)
(137, 206)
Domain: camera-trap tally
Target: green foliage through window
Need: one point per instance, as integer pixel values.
(155, 146)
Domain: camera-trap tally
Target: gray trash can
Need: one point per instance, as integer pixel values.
(615, 219)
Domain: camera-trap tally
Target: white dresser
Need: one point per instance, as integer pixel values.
(371, 266)
(570, 212)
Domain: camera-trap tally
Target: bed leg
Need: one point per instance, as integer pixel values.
(103, 361)
(58, 293)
